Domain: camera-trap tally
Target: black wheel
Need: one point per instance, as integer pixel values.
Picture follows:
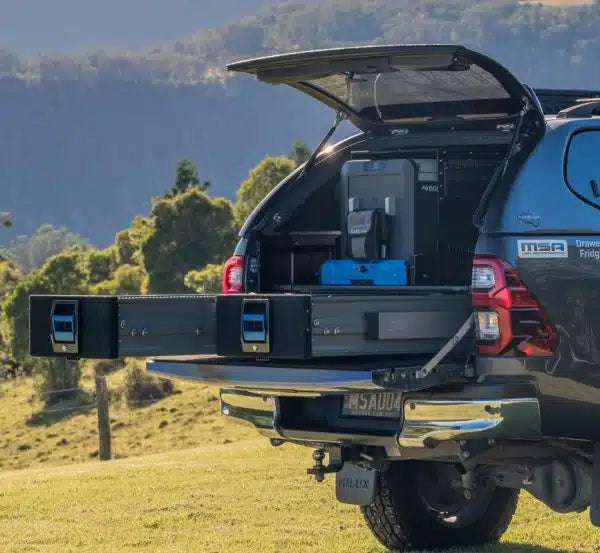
(416, 507)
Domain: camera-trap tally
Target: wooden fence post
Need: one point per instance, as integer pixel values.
(103, 419)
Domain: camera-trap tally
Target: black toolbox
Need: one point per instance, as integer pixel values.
(317, 323)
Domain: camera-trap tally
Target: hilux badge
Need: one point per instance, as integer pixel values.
(529, 218)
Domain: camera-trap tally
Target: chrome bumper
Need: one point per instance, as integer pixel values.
(249, 394)
(426, 423)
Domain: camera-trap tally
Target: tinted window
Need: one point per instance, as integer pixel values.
(385, 92)
(583, 166)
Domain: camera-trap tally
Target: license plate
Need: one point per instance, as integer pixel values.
(376, 404)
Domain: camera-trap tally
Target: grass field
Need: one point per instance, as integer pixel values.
(244, 497)
(230, 493)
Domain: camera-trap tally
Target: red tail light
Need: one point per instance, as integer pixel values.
(507, 315)
(233, 275)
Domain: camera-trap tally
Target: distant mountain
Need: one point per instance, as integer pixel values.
(33, 27)
(87, 140)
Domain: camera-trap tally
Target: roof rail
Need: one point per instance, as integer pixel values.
(555, 100)
(581, 110)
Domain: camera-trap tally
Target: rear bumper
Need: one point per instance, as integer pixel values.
(425, 423)
(255, 395)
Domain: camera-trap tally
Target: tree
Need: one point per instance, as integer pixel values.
(126, 280)
(10, 275)
(30, 252)
(187, 175)
(129, 241)
(64, 273)
(100, 264)
(5, 219)
(190, 231)
(205, 281)
(261, 180)
(300, 152)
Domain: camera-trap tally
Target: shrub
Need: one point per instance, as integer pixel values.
(108, 366)
(205, 281)
(142, 387)
(55, 375)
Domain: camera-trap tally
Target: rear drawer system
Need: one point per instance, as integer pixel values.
(278, 326)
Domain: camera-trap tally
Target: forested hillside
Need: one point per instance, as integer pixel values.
(87, 140)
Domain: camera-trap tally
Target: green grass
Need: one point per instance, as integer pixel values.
(230, 493)
(244, 497)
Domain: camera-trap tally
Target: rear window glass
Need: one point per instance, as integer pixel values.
(403, 92)
(583, 165)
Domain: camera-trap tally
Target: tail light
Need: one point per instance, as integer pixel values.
(233, 275)
(507, 315)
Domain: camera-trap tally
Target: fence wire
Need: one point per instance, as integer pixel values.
(91, 405)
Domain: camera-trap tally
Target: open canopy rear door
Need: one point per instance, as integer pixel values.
(387, 85)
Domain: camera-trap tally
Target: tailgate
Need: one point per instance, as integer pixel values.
(247, 326)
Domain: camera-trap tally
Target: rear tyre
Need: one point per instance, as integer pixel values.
(416, 508)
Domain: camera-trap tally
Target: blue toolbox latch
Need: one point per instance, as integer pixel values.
(64, 326)
(255, 335)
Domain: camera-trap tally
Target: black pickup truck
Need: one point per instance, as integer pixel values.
(419, 303)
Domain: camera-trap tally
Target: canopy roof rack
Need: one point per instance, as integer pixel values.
(554, 101)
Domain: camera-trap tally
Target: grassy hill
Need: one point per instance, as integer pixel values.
(242, 497)
(67, 433)
(189, 480)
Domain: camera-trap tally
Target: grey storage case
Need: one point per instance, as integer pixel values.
(387, 185)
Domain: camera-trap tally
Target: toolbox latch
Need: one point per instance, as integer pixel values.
(64, 326)
(255, 331)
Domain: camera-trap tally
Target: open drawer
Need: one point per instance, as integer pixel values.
(277, 326)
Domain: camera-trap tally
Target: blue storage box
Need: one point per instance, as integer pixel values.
(385, 272)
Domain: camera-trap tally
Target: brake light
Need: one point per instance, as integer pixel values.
(233, 275)
(507, 315)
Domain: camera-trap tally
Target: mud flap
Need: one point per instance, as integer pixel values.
(355, 484)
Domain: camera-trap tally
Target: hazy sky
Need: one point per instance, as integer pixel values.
(30, 27)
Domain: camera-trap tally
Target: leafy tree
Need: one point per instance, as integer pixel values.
(187, 175)
(100, 264)
(5, 219)
(205, 281)
(261, 180)
(10, 275)
(64, 273)
(129, 241)
(300, 152)
(190, 230)
(31, 252)
(127, 279)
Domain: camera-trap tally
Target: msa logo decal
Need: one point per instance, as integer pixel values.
(543, 248)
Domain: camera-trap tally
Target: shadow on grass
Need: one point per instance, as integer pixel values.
(511, 547)
(82, 402)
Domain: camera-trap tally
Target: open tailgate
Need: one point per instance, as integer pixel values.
(385, 85)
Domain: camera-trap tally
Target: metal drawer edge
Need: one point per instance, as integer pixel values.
(302, 381)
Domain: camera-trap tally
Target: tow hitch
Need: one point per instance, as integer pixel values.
(319, 470)
(355, 483)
